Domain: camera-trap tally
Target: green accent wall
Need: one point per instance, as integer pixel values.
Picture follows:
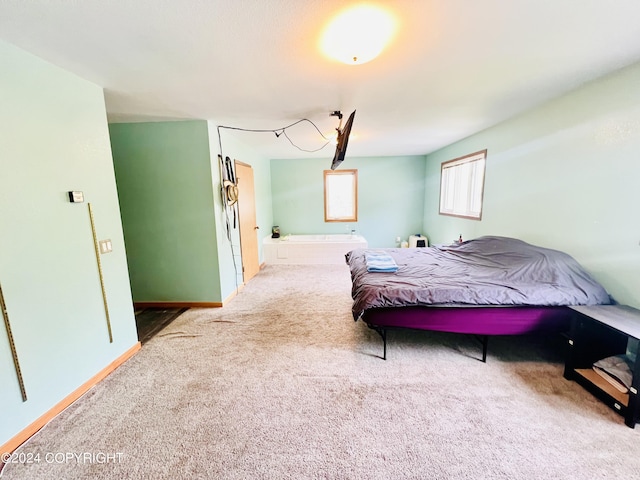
(565, 176)
(390, 197)
(53, 139)
(164, 176)
(174, 223)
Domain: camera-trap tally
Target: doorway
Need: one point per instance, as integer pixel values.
(248, 225)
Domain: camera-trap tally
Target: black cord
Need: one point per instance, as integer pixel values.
(278, 132)
(309, 151)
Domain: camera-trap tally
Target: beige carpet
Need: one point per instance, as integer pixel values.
(283, 384)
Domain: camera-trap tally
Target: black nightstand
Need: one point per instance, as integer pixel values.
(598, 332)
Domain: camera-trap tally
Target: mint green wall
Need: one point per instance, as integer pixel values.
(565, 176)
(54, 138)
(163, 171)
(169, 188)
(390, 197)
(229, 251)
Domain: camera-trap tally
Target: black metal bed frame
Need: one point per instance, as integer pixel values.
(382, 331)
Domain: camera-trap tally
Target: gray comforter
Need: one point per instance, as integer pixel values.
(484, 271)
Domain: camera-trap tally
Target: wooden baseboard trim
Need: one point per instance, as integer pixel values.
(177, 304)
(25, 434)
(141, 305)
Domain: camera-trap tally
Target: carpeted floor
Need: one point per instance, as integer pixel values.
(283, 384)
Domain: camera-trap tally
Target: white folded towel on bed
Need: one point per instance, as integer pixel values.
(380, 262)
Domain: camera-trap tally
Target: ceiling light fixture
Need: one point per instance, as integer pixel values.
(358, 35)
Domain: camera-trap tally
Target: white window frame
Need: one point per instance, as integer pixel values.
(341, 195)
(462, 186)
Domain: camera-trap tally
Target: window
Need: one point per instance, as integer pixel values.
(341, 195)
(462, 186)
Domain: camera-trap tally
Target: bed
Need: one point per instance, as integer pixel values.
(487, 286)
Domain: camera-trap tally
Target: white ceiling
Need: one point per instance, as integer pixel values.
(454, 68)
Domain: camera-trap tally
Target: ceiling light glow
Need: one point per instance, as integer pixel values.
(358, 35)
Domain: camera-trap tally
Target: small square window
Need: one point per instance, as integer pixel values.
(462, 186)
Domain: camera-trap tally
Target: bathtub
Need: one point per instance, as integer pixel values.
(310, 249)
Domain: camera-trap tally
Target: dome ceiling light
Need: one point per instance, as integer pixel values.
(358, 35)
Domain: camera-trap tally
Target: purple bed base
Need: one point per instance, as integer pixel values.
(480, 321)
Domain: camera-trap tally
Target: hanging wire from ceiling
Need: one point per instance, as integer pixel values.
(282, 131)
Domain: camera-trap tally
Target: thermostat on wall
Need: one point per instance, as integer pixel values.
(76, 197)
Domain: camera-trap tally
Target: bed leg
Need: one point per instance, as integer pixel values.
(384, 344)
(485, 346)
(383, 334)
(484, 340)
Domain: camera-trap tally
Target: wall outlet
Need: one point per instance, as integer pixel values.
(105, 246)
